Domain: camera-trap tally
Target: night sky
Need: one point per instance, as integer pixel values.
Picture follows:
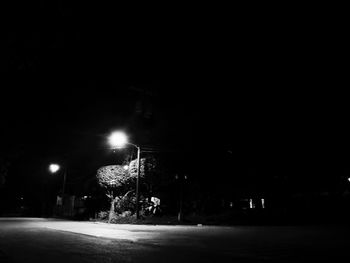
(243, 101)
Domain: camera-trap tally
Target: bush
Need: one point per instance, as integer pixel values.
(103, 215)
(124, 219)
(126, 214)
(125, 204)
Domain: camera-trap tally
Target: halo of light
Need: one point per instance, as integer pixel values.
(54, 168)
(118, 139)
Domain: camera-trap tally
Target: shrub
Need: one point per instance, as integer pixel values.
(102, 215)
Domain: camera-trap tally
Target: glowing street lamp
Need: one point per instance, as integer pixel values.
(119, 140)
(55, 168)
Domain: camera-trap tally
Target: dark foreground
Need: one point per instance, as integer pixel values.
(42, 240)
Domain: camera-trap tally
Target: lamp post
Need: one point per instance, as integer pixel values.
(55, 168)
(118, 140)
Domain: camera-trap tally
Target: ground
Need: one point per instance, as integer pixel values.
(51, 240)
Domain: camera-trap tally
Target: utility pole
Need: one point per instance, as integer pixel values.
(138, 182)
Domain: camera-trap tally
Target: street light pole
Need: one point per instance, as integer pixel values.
(64, 185)
(138, 182)
(138, 160)
(55, 168)
(119, 140)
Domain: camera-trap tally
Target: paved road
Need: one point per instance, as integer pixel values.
(47, 240)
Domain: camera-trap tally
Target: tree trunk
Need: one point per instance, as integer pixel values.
(111, 210)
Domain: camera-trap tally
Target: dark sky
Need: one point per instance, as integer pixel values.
(246, 96)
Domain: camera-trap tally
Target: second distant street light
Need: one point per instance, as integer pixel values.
(118, 140)
(55, 168)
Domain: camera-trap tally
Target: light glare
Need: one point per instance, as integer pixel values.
(54, 168)
(118, 139)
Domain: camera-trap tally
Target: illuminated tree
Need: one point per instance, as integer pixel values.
(148, 165)
(119, 182)
(115, 179)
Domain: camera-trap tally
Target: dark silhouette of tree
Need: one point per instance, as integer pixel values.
(7, 157)
(3, 171)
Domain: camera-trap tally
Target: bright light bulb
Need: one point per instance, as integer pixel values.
(118, 139)
(54, 168)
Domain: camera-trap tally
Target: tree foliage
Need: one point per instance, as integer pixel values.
(116, 180)
(144, 167)
(6, 159)
(113, 176)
